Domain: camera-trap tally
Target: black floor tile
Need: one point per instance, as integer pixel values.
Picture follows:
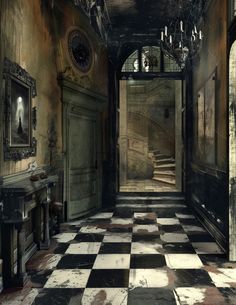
(99, 222)
(73, 228)
(203, 237)
(109, 278)
(109, 248)
(171, 228)
(147, 238)
(83, 237)
(58, 296)
(123, 213)
(218, 260)
(151, 296)
(114, 229)
(164, 212)
(190, 222)
(179, 248)
(147, 261)
(192, 278)
(139, 221)
(61, 248)
(39, 278)
(229, 295)
(72, 261)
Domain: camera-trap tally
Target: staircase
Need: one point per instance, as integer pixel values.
(164, 167)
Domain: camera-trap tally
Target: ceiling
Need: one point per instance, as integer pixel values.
(135, 22)
(141, 16)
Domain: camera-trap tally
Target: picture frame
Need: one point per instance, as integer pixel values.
(206, 118)
(210, 119)
(20, 117)
(201, 122)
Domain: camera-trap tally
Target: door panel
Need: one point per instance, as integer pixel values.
(82, 159)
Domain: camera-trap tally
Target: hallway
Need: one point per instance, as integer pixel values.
(139, 253)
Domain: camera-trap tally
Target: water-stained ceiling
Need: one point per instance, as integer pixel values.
(145, 15)
(142, 20)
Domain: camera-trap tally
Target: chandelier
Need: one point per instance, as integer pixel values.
(181, 40)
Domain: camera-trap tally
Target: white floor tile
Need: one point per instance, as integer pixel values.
(152, 278)
(224, 277)
(190, 296)
(168, 221)
(146, 248)
(105, 296)
(174, 238)
(102, 215)
(207, 248)
(64, 237)
(92, 230)
(188, 228)
(144, 215)
(117, 238)
(84, 248)
(145, 229)
(21, 298)
(49, 261)
(76, 278)
(184, 216)
(183, 261)
(121, 221)
(112, 261)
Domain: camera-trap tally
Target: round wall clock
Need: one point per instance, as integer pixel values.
(80, 50)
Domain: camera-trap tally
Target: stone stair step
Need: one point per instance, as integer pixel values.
(168, 181)
(163, 161)
(166, 165)
(161, 157)
(164, 173)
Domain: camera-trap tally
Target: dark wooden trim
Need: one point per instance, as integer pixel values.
(151, 75)
(211, 227)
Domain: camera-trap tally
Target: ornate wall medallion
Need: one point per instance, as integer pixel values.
(80, 50)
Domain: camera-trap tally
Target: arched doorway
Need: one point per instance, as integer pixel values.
(150, 123)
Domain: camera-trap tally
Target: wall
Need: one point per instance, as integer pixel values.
(34, 35)
(27, 40)
(207, 180)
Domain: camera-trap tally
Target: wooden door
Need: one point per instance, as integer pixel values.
(82, 161)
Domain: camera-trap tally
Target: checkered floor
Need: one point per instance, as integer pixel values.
(140, 255)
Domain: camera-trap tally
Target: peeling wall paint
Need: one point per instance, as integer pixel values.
(34, 35)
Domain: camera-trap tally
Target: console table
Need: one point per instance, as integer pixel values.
(25, 224)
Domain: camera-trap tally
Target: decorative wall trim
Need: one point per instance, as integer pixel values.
(207, 222)
(13, 178)
(203, 168)
(71, 86)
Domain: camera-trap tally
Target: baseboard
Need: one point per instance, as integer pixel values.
(205, 220)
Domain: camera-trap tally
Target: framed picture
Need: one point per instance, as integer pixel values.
(206, 129)
(20, 88)
(201, 122)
